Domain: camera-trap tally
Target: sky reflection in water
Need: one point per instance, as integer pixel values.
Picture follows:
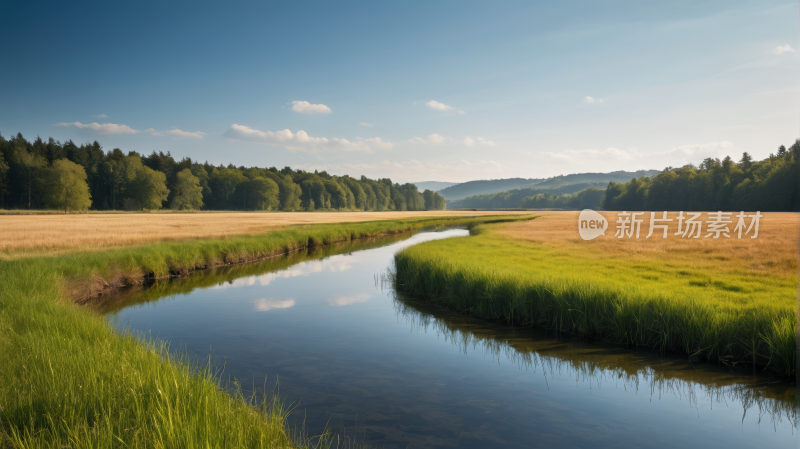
(349, 349)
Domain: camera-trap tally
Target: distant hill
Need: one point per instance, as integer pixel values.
(433, 185)
(514, 198)
(485, 187)
(465, 189)
(616, 176)
(557, 185)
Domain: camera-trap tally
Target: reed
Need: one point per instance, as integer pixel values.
(69, 380)
(701, 308)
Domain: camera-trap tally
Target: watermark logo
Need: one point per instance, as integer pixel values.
(591, 224)
(629, 224)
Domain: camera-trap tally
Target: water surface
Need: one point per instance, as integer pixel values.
(357, 355)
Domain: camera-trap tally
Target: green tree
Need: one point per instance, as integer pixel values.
(3, 180)
(31, 165)
(263, 194)
(439, 202)
(66, 186)
(359, 195)
(290, 194)
(747, 162)
(188, 193)
(148, 188)
(398, 200)
(223, 183)
(430, 203)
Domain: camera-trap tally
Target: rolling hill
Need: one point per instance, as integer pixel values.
(485, 187)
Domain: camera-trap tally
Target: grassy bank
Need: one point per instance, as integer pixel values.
(698, 306)
(68, 380)
(32, 235)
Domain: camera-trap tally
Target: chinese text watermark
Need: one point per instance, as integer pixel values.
(690, 224)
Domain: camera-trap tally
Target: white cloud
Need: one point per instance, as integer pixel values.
(104, 129)
(436, 106)
(469, 141)
(100, 116)
(781, 49)
(345, 300)
(301, 142)
(433, 104)
(695, 152)
(431, 139)
(436, 138)
(376, 143)
(262, 305)
(612, 157)
(365, 124)
(591, 100)
(187, 134)
(305, 107)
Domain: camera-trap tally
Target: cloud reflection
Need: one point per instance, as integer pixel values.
(334, 264)
(344, 300)
(264, 304)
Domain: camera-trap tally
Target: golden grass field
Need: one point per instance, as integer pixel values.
(26, 234)
(774, 251)
(722, 299)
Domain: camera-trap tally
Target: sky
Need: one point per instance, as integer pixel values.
(414, 91)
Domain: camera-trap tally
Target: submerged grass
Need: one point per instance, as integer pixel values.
(700, 309)
(68, 380)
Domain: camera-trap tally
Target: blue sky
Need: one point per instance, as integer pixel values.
(416, 91)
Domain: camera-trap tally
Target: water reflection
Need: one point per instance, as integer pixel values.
(348, 349)
(593, 364)
(262, 305)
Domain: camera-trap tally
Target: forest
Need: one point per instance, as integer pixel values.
(772, 184)
(69, 177)
(573, 196)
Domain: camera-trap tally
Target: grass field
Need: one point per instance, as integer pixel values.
(40, 233)
(727, 300)
(68, 380)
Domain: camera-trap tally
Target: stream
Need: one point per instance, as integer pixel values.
(356, 356)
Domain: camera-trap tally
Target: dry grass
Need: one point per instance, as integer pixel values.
(774, 252)
(22, 235)
(728, 300)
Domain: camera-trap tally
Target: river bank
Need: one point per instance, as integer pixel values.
(711, 301)
(68, 379)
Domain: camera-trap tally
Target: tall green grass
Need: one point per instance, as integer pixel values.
(68, 380)
(742, 319)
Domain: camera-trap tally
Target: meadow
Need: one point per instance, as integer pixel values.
(37, 232)
(69, 380)
(726, 300)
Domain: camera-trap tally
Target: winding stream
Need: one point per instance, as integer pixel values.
(355, 355)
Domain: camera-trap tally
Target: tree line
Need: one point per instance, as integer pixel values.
(772, 184)
(40, 175)
(573, 196)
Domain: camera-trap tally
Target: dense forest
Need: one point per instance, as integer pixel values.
(39, 175)
(772, 184)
